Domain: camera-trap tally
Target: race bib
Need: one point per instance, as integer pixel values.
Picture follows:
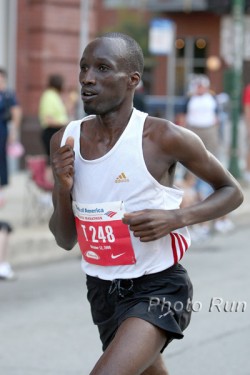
(102, 236)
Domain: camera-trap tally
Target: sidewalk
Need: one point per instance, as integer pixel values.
(33, 243)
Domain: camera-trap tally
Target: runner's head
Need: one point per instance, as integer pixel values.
(110, 69)
(133, 55)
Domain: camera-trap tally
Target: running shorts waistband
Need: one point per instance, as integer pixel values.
(137, 280)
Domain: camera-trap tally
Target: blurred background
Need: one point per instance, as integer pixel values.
(39, 38)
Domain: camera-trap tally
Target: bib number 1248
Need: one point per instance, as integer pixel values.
(98, 233)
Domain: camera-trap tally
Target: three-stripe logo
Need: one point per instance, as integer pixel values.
(121, 178)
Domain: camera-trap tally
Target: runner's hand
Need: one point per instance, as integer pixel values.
(63, 165)
(150, 225)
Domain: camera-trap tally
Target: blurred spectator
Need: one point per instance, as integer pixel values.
(187, 182)
(54, 113)
(246, 109)
(52, 110)
(10, 119)
(202, 117)
(202, 113)
(6, 272)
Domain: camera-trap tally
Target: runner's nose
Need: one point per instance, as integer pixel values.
(87, 77)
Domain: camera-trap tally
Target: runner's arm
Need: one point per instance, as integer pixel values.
(185, 147)
(227, 194)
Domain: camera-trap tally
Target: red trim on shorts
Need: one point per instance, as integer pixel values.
(182, 244)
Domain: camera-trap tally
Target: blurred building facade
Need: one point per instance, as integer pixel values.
(40, 37)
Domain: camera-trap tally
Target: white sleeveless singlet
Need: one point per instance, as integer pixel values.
(107, 187)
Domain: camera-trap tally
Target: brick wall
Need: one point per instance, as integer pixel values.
(48, 42)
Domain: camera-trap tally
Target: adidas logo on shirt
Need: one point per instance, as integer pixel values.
(121, 178)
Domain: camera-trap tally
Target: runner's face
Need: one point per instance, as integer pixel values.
(103, 78)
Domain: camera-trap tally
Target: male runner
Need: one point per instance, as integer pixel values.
(109, 196)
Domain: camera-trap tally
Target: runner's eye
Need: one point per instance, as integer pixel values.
(103, 68)
(83, 68)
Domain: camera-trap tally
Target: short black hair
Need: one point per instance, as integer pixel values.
(135, 58)
(56, 81)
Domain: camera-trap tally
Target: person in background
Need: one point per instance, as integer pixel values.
(202, 113)
(6, 272)
(10, 120)
(246, 111)
(201, 117)
(52, 113)
(186, 181)
(109, 195)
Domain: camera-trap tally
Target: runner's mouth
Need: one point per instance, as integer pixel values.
(88, 94)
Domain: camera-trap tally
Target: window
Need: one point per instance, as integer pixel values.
(191, 54)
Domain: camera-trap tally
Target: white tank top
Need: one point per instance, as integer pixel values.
(106, 187)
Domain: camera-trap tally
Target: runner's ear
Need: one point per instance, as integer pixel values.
(134, 79)
(70, 142)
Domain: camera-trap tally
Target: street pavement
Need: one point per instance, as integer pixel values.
(46, 327)
(28, 210)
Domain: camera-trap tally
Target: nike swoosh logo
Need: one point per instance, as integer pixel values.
(116, 256)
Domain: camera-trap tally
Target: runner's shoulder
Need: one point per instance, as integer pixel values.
(163, 130)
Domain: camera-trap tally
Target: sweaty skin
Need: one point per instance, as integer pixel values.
(107, 90)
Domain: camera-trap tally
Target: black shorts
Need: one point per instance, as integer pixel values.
(163, 299)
